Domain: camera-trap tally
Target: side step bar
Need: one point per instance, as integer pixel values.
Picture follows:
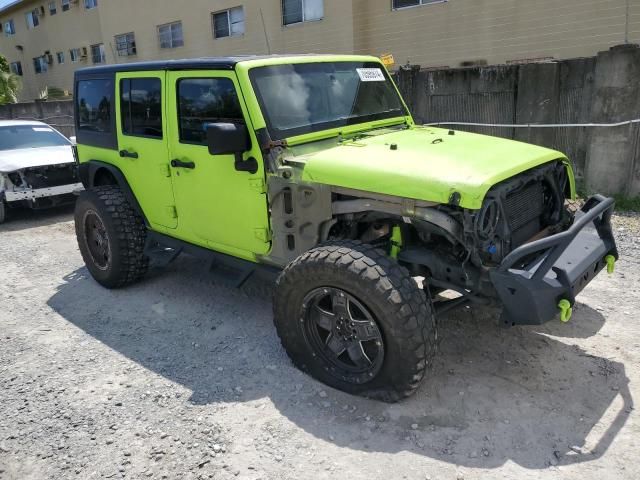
(234, 272)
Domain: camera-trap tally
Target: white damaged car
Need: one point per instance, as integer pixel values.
(37, 166)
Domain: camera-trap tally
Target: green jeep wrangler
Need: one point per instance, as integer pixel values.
(312, 169)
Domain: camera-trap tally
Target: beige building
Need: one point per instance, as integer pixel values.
(46, 40)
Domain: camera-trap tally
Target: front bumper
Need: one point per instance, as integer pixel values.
(557, 267)
(33, 194)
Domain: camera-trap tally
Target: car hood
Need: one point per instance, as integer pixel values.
(11, 160)
(424, 163)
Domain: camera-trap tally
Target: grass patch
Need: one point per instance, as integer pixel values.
(623, 203)
(627, 204)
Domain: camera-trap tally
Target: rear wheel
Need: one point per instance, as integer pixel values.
(111, 237)
(354, 319)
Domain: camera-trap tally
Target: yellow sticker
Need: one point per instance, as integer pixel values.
(388, 60)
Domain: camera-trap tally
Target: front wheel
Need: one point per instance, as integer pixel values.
(354, 319)
(111, 237)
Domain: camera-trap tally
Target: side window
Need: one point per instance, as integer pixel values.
(202, 101)
(94, 99)
(141, 107)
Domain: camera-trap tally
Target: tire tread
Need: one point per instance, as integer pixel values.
(407, 304)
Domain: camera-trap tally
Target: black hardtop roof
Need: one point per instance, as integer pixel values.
(204, 63)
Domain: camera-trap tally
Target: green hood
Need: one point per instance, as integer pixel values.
(428, 164)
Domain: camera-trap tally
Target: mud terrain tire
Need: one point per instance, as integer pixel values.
(379, 290)
(111, 237)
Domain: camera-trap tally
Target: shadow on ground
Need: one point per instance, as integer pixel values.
(25, 218)
(494, 394)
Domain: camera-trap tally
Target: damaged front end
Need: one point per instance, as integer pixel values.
(523, 249)
(40, 187)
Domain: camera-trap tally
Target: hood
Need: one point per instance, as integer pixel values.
(12, 160)
(425, 164)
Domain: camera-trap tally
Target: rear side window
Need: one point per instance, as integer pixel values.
(202, 101)
(141, 107)
(94, 99)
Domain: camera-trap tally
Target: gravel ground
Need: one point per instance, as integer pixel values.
(179, 377)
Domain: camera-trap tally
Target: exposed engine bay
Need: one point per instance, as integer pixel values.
(524, 208)
(40, 187)
(449, 245)
(452, 247)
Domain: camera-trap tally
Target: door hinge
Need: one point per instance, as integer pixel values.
(257, 184)
(165, 170)
(172, 212)
(262, 234)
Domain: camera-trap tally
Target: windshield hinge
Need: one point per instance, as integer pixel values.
(275, 144)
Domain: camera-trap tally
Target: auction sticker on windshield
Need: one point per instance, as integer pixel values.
(371, 75)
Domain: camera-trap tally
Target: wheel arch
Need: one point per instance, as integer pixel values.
(95, 173)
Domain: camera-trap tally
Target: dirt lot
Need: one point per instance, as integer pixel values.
(179, 377)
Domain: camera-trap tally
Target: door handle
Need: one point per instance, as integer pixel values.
(180, 164)
(128, 154)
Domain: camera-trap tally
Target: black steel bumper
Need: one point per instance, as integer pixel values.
(559, 266)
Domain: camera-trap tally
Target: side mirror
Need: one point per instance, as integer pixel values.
(227, 138)
(231, 139)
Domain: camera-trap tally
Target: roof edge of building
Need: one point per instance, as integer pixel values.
(11, 5)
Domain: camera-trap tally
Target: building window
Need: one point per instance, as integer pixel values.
(40, 64)
(60, 56)
(9, 28)
(141, 107)
(75, 54)
(297, 11)
(229, 23)
(52, 8)
(171, 35)
(32, 19)
(89, 4)
(66, 5)
(202, 101)
(94, 105)
(126, 44)
(16, 68)
(97, 53)
(396, 4)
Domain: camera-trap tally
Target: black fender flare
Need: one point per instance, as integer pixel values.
(88, 171)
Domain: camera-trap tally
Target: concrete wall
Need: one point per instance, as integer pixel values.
(601, 89)
(58, 114)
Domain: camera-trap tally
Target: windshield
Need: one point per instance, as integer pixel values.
(309, 97)
(30, 136)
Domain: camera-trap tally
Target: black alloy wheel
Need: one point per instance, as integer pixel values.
(338, 327)
(97, 240)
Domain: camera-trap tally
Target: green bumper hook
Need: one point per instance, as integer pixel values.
(611, 263)
(565, 310)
